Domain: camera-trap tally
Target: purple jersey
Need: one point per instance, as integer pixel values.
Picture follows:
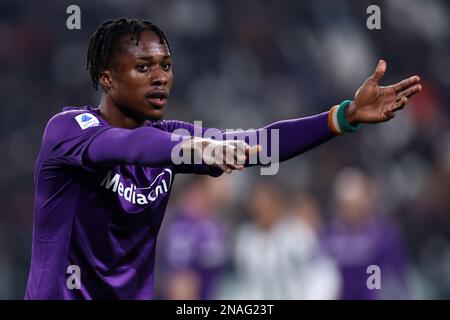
(103, 219)
(374, 241)
(196, 242)
(101, 194)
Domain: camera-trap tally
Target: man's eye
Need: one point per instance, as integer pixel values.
(143, 68)
(166, 66)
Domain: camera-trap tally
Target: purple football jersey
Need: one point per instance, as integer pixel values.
(95, 228)
(101, 194)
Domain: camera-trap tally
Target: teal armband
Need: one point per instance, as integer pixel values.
(342, 120)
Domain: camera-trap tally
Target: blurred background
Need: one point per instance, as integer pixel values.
(379, 197)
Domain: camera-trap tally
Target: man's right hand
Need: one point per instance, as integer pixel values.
(228, 155)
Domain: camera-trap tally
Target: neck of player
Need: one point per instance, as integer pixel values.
(116, 116)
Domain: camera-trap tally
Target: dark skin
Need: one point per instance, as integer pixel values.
(138, 83)
(374, 103)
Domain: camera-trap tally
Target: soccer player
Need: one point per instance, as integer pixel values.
(104, 174)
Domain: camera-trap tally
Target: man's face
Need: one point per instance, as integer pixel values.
(140, 76)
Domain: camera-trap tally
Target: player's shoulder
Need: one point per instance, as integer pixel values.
(81, 118)
(71, 121)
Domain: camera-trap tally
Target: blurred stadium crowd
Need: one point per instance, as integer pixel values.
(378, 197)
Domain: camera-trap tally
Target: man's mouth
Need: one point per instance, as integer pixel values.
(157, 98)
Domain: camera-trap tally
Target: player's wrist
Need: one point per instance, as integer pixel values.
(350, 114)
(341, 118)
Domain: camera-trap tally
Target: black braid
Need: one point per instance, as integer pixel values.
(103, 42)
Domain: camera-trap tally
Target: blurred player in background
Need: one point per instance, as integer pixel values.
(104, 174)
(359, 236)
(278, 254)
(194, 249)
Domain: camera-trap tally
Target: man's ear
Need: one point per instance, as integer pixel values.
(105, 80)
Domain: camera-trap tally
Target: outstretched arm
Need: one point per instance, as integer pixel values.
(153, 147)
(372, 104)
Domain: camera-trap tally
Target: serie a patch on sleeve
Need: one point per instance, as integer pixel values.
(87, 120)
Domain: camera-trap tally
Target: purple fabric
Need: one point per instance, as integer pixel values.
(295, 135)
(100, 197)
(374, 241)
(196, 243)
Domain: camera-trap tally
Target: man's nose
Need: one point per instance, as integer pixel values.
(159, 77)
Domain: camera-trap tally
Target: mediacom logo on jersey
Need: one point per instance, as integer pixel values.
(132, 194)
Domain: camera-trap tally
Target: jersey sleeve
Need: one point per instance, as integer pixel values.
(67, 137)
(79, 139)
(285, 139)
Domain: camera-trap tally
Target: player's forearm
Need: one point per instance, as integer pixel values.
(286, 139)
(298, 135)
(143, 146)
